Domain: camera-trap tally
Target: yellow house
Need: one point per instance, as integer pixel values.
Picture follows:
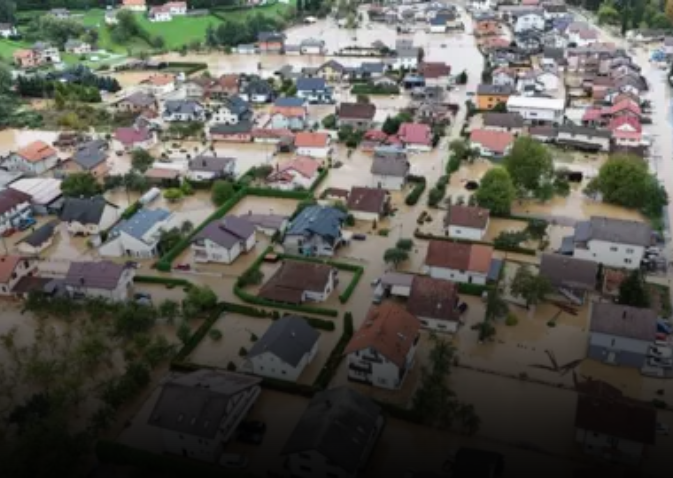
(489, 96)
(331, 71)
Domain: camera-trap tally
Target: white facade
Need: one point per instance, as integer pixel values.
(439, 325)
(127, 245)
(421, 148)
(382, 372)
(537, 109)
(223, 115)
(437, 28)
(574, 37)
(365, 215)
(529, 21)
(298, 181)
(602, 141)
(23, 268)
(548, 80)
(320, 295)
(10, 218)
(212, 252)
(270, 365)
(391, 183)
(455, 275)
(408, 63)
(597, 443)
(161, 16)
(108, 218)
(611, 254)
(135, 6)
(197, 115)
(314, 152)
(18, 163)
(8, 32)
(502, 78)
(118, 294)
(471, 233)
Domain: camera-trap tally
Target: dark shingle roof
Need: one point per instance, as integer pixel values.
(503, 120)
(385, 166)
(485, 89)
(289, 338)
(623, 321)
(289, 102)
(41, 234)
(568, 271)
(210, 163)
(319, 220)
(91, 154)
(614, 230)
(84, 211)
(97, 275)
(338, 424)
(584, 131)
(228, 232)
(310, 84)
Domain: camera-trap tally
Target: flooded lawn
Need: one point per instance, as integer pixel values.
(13, 139)
(131, 78)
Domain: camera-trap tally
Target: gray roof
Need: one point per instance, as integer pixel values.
(338, 424)
(614, 230)
(185, 107)
(39, 46)
(289, 338)
(397, 279)
(236, 104)
(140, 99)
(84, 211)
(211, 164)
(564, 271)
(623, 321)
(257, 86)
(96, 275)
(390, 167)
(311, 84)
(487, 89)
(289, 102)
(41, 234)
(226, 233)
(197, 403)
(140, 223)
(323, 221)
(407, 52)
(270, 36)
(91, 154)
(270, 221)
(503, 120)
(312, 42)
(494, 269)
(371, 67)
(73, 43)
(225, 128)
(584, 131)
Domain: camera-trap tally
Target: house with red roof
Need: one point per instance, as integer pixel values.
(459, 262)
(314, 145)
(415, 136)
(134, 138)
(298, 173)
(491, 143)
(626, 130)
(372, 139)
(625, 107)
(134, 5)
(34, 158)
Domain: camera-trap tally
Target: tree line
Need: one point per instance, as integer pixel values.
(85, 88)
(232, 33)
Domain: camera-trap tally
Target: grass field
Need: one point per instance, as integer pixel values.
(181, 30)
(8, 47)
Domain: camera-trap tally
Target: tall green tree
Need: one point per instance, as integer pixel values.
(533, 289)
(496, 191)
(530, 166)
(633, 290)
(141, 160)
(395, 256)
(81, 185)
(222, 191)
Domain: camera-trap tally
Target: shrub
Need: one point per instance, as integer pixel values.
(368, 89)
(231, 366)
(253, 338)
(244, 296)
(343, 298)
(384, 232)
(332, 364)
(472, 289)
(242, 352)
(415, 194)
(511, 320)
(215, 334)
(551, 323)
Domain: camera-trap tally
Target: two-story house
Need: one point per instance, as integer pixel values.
(435, 303)
(459, 262)
(331, 71)
(137, 236)
(314, 145)
(611, 242)
(33, 159)
(210, 168)
(289, 113)
(368, 204)
(160, 83)
(256, 90)
(88, 216)
(314, 90)
(382, 351)
(583, 137)
(271, 42)
(46, 53)
(300, 172)
(12, 270)
(390, 171)
(231, 110)
(316, 231)
(14, 206)
(491, 143)
(489, 96)
(287, 347)
(537, 110)
(223, 241)
(298, 282)
(467, 222)
(357, 115)
(89, 157)
(529, 20)
(77, 47)
(137, 102)
(199, 412)
(105, 279)
(183, 110)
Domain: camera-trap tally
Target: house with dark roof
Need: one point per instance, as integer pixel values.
(489, 96)
(509, 122)
(341, 427)
(199, 412)
(88, 216)
(210, 168)
(572, 278)
(467, 222)
(381, 352)
(137, 236)
(137, 102)
(231, 110)
(104, 279)
(183, 110)
(612, 242)
(460, 262)
(584, 138)
(13, 269)
(622, 335)
(316, 231)
(271, 41)
(368, 204)
(314, 90)
(434, 302)
(224, 240)
(235, 133)
(89, 157)
(267, 224)
(256, 90)
(39, 239)
(614, 428)
(357, 115)
(14, 206)
(390, 171)
(296, 282)
(287, 347)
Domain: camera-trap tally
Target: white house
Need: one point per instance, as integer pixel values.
(77, 47)
(223, 241)
(160, 84)
(314, 145)
(611, 242)
(14, 206)
(34, 159)
(134, 5)
(382, 351)
(458, 262)
(584, 137)
(7, 30)
(46, 53)
(534, 109)
(12, 270)
(199, 412)
(583, 37)
(231, 110)
(38, 240)
(298, 282)
(160, 14)
(111, 17)
(104, 279)
(137, 236)
(467, 222)
(287, 347)
(532, 20)
(407, 59)
(209, 168)
(316, 446)
(435, 303)
(183, 110)
(368, 204)
(88, 216)
(504, 77)
(176, 8)
(301, 172)
(390, 171)
(615, 428)
(548, 79)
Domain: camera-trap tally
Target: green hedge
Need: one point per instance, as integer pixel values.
(197, 336)
(369, 89)
(245, 310)
(288, 387)
(278, 193)
(332, 364)
(307, 309)
(415, 194)
(517, 249)
(343, 298)
(131, 210)
(168, 281)
(319, 180)
(172, 466)
(472, 289)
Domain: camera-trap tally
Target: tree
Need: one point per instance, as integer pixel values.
(633, 290)
(668, 10)
(530, 165)
(184, 332)
(529, 287)
(362, 99)
(462, 78)
(395, 256)
(141, 160)
(608, 14)
(173, 195)
(405, 244)
(187, 227)
(169, 310)
(199, 300)
(222, 192)
(329, 121)
(390, 125)
(81, 185)
(7, 11)
(496, 191)
(625, 180)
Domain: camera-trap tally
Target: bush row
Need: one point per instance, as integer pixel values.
(307, 309)
(415, 194)
(288, 387)
(472, 289)
(167, 281)
(517, 249)
(197, 336)
(343, 298)
(319, 180)
(369, 89)
(278, 193)
(188, 68)
(332, 364)
(131, 210)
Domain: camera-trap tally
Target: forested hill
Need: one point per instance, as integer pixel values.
(631, 14)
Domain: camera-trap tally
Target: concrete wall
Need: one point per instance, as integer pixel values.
(391, 183)
(612, 254)
(618, 350)
(438, 325)
(268, 365)
(467, 232)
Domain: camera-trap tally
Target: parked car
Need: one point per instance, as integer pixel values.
(8, 232)
(233, 460)
(142, 295)
(462, 307)
(25, 223)
(183, 267)
(359, 237)
(662, 428)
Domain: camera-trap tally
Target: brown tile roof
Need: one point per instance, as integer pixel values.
(293, 278)
(367, 199)
(306, 139)
(624, 419)
(228, 81)
(336, 192)
(434, 69)
(36, 151)
(7, 266)
(10, 198)
(388, 329)
(162, 173)
(459, 256)
(569, 272)
(160, 79)
(467, 216)
(496, 141)
(97, 275)
(364, 111)
(433, 298)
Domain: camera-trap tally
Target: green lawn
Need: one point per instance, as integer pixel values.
(268, 10)
(181, 30)
(8, 47)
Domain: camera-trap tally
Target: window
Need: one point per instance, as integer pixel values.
(614, 248)
(627, 261)
(629, 250)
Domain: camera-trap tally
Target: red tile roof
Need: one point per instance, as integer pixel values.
(433, 298)
(415, 133)
(624, 105)
(367, 199)
(459, 256)
(302, 165)
(36, 151)
(434, 70)
(306, 139)
(388, 329)
(129, 136)
(496, 141)
(7, 266)
(360, 111)
(467, 216)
